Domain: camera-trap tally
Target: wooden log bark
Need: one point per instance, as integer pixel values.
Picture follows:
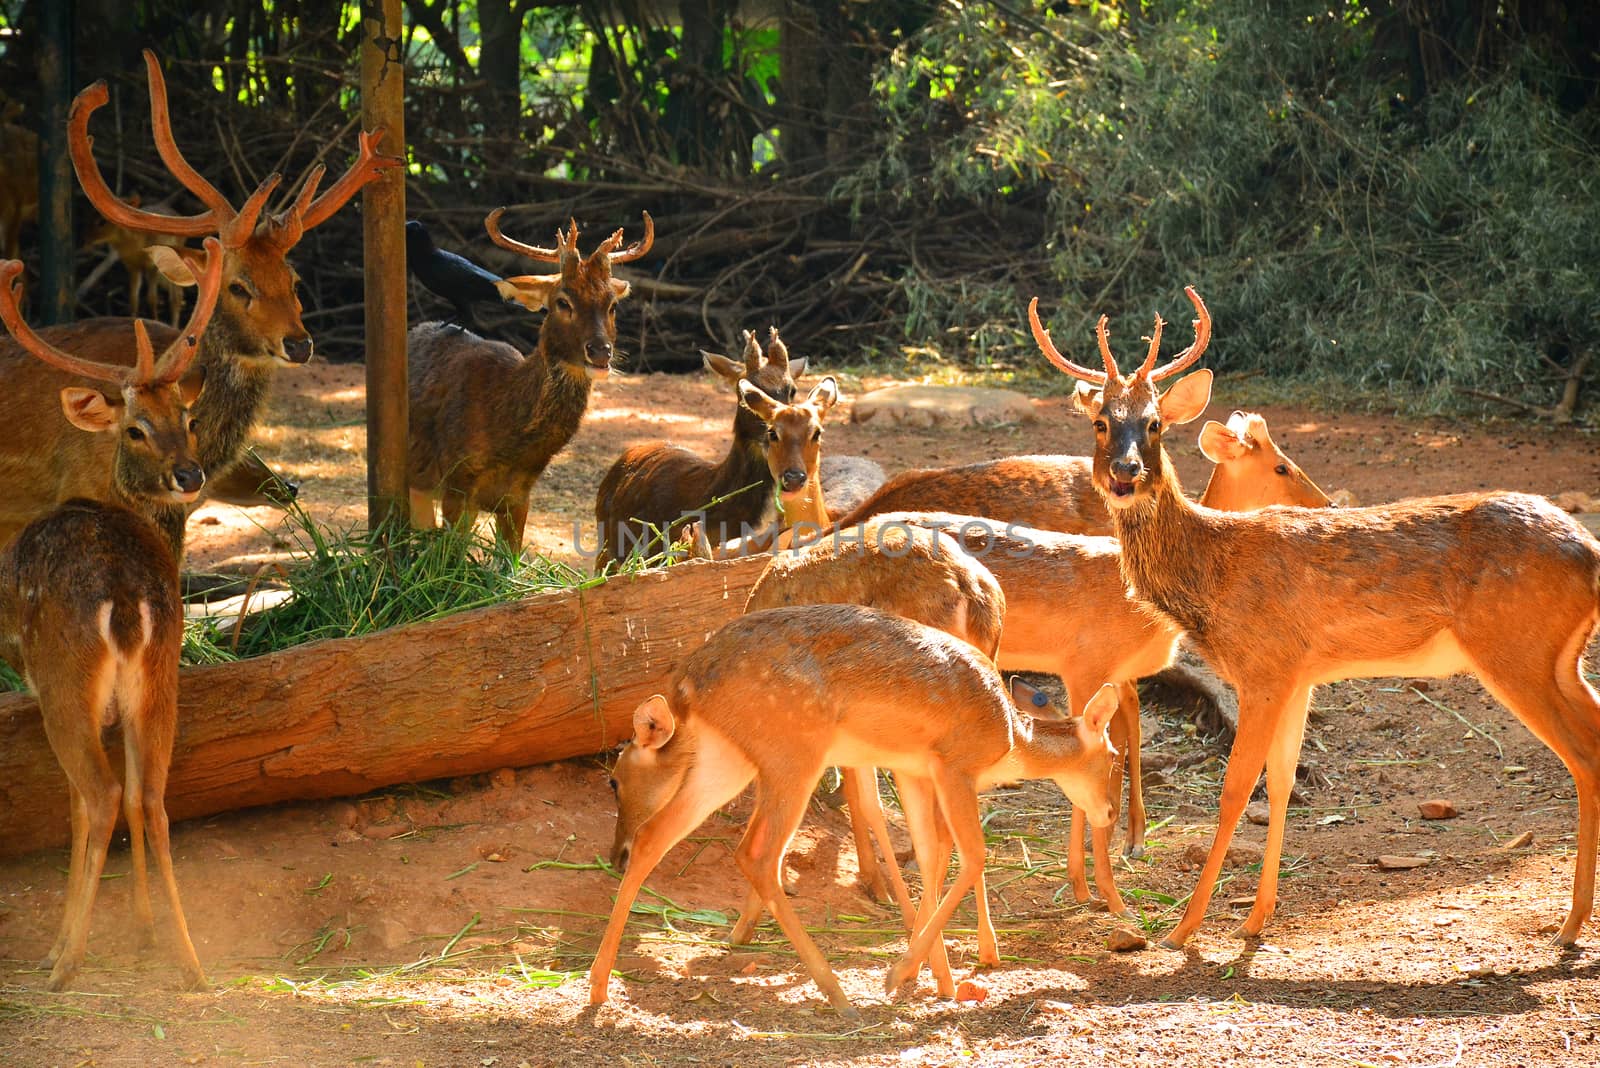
(555, 675)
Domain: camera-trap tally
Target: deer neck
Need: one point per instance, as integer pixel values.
(230, 405)
(742, 484)
(1170, 556)
(806, 506)
(1040, 749)
(550, 396)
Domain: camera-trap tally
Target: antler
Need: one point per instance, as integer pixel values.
(219, 217)
(533, 252)
(752, 353)
(307, 214)
(639, 247)
(777, 351)
(147, 370)
(1202, 338)
(1155, 347)
(1042, 337)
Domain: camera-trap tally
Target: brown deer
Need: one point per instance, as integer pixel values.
(854, 687)
(256, 323)
(1281, 600)
(485, 420)
(653, 489)
(89, 603)
(133, 252)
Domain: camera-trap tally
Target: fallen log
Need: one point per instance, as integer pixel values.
(552, 676)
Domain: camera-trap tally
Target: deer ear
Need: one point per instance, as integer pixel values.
(653, 725)
(1032, 700)
(1220, 444)
(190, 385)
(1101, 707)
(1087, 397)
(730, 371)
(825, 395)
(620, 288)
(91, 410)
(180, 266)
(753, 398)
(797, 366)
(1187, 398)
(531, 291)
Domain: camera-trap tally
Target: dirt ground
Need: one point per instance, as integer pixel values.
(451, 923)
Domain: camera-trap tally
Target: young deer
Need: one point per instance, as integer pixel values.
(89, 599)
(651, 489)
(1281, 600)
(485, 420)
(256, 324)
(854, 687)
(132, 250)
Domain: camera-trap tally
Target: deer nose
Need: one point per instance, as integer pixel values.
(598, 351)
(189, 479)
(297, 349)
(1127, 469)
(793, 479)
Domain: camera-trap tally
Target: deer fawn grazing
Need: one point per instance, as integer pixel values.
(256, 324)
(485, 421)
(133, 252)
(1284, 599)
(654, 488)
(89, 598)
(854, 687)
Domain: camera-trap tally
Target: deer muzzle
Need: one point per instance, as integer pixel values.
(297, 349)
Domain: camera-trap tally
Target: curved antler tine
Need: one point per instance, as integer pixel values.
(243, 225)
(752, 353)
(1155, 347)
(161, 130)
(545, 255)
(368, 166)
(144, 367)
(1102, 336)
(1041, 336)
(639, 247)
(107, 203)
(1202, 338)
(181, 353)
(11, 315)
(288, 226)
(777, 351)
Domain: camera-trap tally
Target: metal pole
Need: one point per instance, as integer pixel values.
(383, 215)
(56, 248)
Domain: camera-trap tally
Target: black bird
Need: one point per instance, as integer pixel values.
(455, 278)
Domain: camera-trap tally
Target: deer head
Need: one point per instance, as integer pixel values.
(794, 432)
(772, 372)
(581, 328)
(1252, 472)
(258, 311)
(1129, 413)
(645, 776)
(147, 406)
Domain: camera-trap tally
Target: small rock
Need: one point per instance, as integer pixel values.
(1155, 760)
(208, 521)
(344, 814)
(384, 831)
(496, 852)
(462, 785)
(1241, 903)
(916, 405)
(1122, 940)
(1393, 863)
(967, 990)
(1575, 501)
(502, 778)
(346, 835)
(1258, 813)
(226, 849)
(391, 933)
(1438, 809)
(1521, 841)
(1343, 498)
(1420, 685)
(1239, 854)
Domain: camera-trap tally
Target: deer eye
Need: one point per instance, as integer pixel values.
(1155, 426)
(817, 436)
(194, 426)
(564, 304)
(135, 434)
(1100, 426)
(1282, 469)
(613, 782)
(240, 290)
(772, 434)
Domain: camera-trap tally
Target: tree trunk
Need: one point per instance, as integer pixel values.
(553, 676)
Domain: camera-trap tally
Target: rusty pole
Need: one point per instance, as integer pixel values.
(383, 216)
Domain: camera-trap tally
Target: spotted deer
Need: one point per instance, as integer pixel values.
(1284, 599)
(256, 324)
(90, 610)
(485, 420)
(857, 687)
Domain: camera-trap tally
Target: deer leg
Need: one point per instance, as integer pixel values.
(1128, 712)
(1076, 866)
(872, 812)
(1258, 722)
(149, 747)
(856, 783)
(932, 849)
(686, 810)
(422, 515)
(988, 944)
(133, 812)
(779, 808)
(98, 794)
(1105, 879)
(958, 798)
(510, 519)
(1282, 757)
(77, 861)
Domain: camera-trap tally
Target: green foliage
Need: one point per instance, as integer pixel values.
(1269, 155)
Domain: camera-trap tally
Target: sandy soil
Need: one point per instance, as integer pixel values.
(450, 923)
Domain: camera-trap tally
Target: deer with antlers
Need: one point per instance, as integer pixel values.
(485, 420)
(90, 609)
(256, 323)
(1284, 599)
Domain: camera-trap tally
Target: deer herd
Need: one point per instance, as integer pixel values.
(875, 637)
